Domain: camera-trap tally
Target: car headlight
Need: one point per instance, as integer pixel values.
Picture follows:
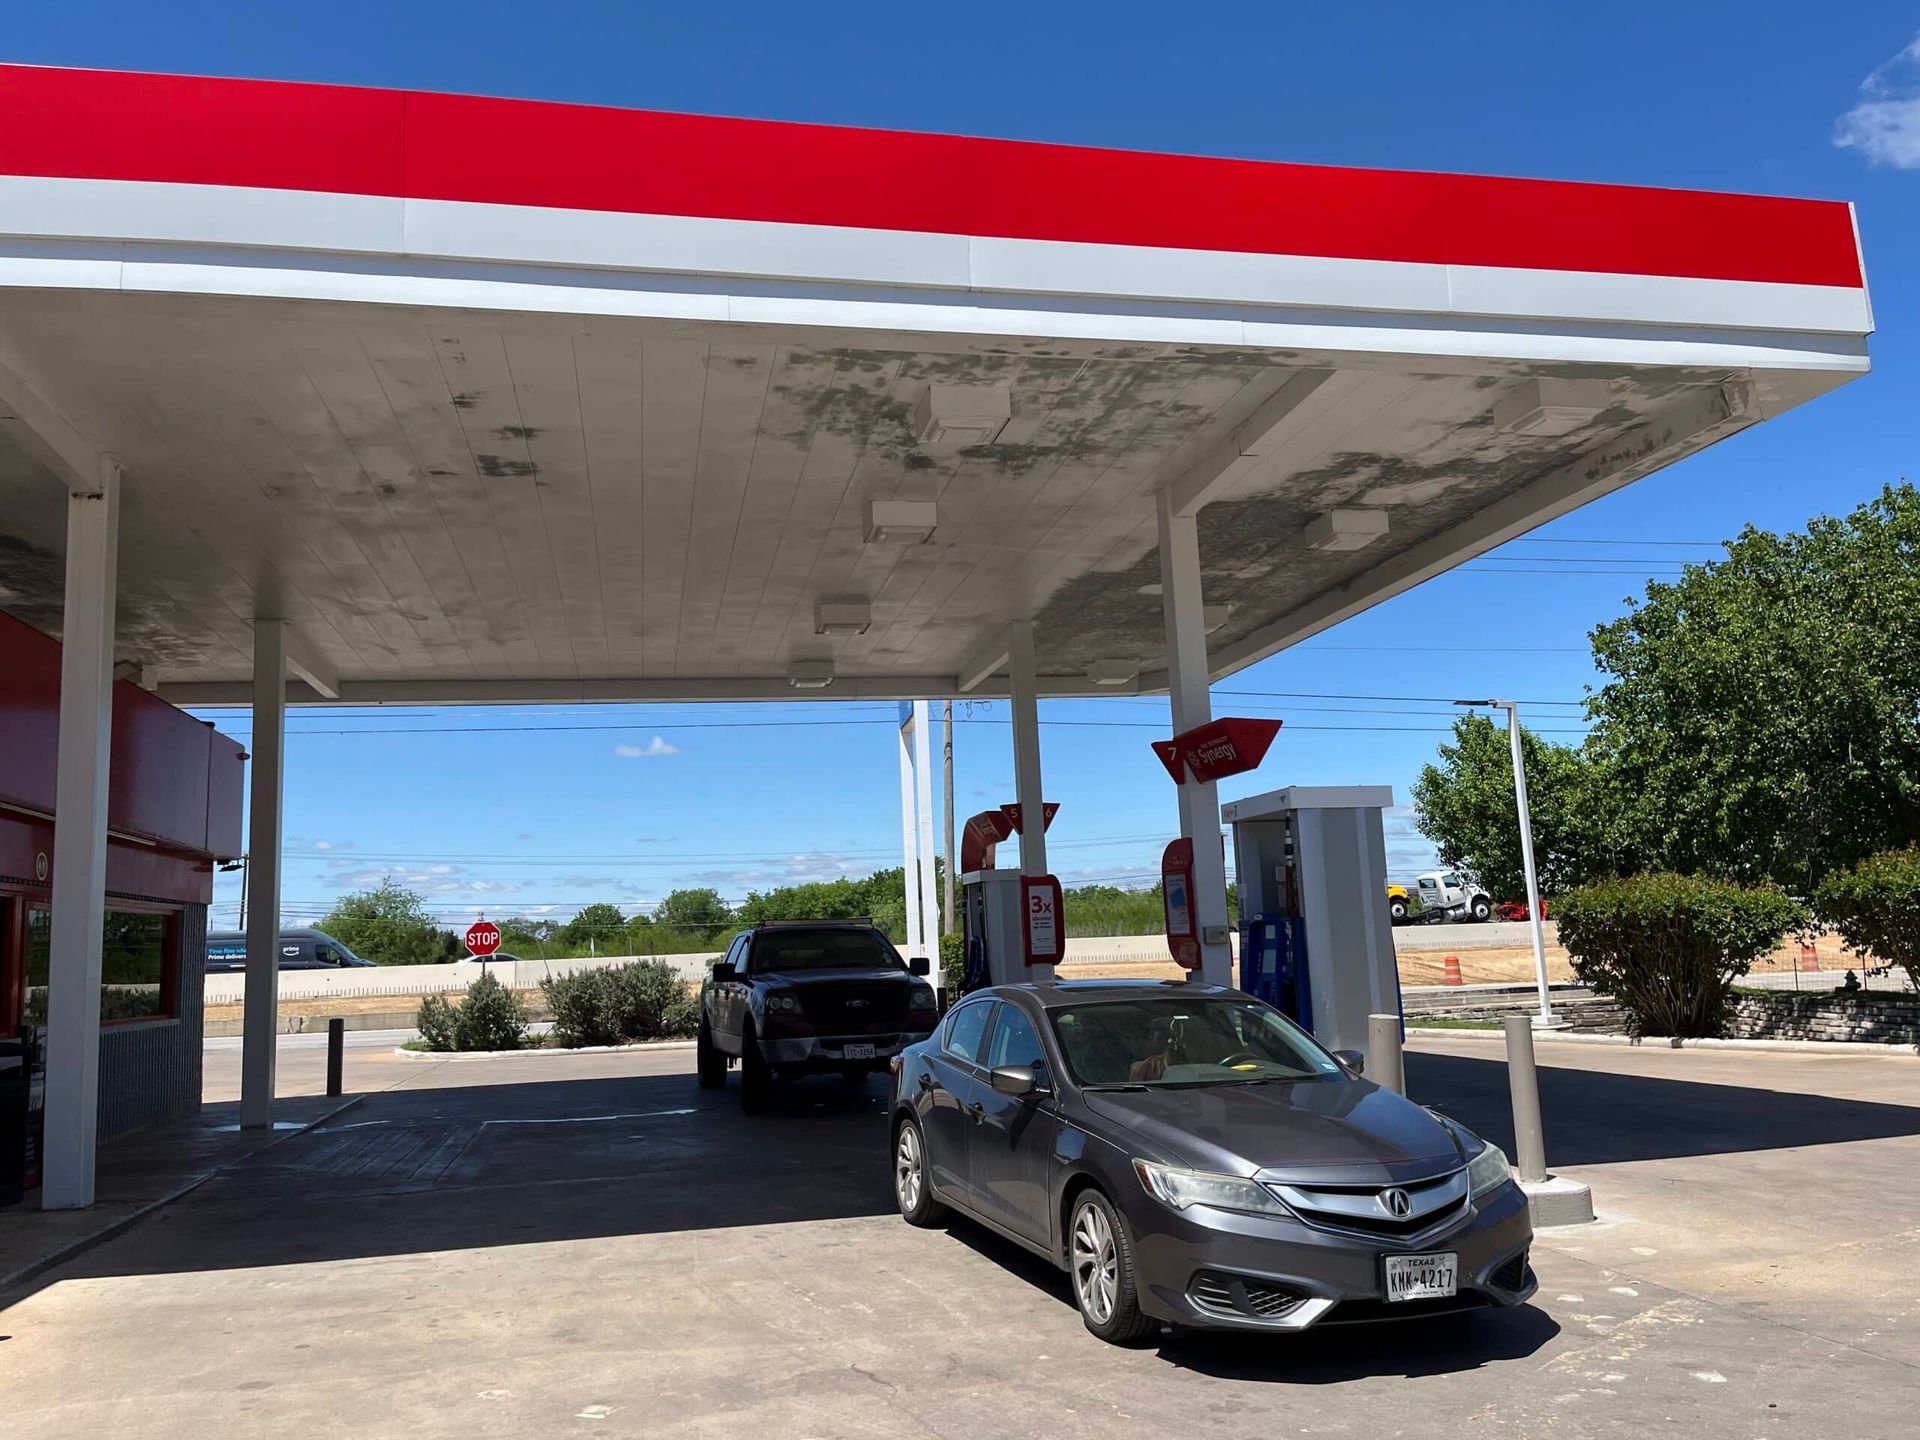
(1487, 1167)
(1177, 1189)
(783, 1004)
(923, 998)
(1488, 1170)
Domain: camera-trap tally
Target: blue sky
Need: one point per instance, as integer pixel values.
(549, 808)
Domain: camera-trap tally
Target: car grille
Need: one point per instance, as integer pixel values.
(856, 1006)
(1512, 1275)
(1356, 1312)
(1245, 1296)
(1364, 1209)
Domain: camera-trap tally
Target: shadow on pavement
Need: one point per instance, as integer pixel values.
(1441, 1345)
(471, 1166)
(1599, 1118)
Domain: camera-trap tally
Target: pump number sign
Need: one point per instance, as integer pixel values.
(1041, 903)
(483, 937)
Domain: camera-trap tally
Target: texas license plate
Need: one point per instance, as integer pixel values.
(857, 1052)
(1422, 1277)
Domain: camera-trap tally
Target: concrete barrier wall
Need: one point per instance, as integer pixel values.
(1786, 1016)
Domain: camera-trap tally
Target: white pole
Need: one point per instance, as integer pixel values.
(923, 812)
(950, 920)
(1188, 683)
(909, 836)
(1526, 860)
(260, 1012)
(80, 841)
(1023, 690)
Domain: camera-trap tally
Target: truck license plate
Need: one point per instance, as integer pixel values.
(1421, 1277)
(857, 1052)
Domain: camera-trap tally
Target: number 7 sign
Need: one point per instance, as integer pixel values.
(1041, 904)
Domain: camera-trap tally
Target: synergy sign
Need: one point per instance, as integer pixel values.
(1219, 748)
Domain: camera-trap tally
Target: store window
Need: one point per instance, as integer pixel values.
(138, 965)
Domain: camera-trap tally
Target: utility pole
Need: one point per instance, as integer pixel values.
(243, 893)
(946, 748)
(1545, 1019)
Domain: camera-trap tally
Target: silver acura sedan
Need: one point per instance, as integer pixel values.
(1190, 1156)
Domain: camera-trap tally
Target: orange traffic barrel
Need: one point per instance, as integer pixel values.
(1453, 971)
(1809, 957)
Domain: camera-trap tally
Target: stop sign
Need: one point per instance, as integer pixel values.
(483, 937)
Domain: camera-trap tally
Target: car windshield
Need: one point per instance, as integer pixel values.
(1168, 1042)
(823, 950)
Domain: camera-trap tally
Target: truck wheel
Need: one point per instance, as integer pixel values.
(1482, 909)
(1398, 910)
(755, 1083)
(709, 1059)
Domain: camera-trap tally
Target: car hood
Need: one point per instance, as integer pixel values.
(1336, 1131)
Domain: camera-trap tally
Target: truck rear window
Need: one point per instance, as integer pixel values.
(822, 950)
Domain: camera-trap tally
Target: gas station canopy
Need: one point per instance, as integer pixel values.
(497, 400)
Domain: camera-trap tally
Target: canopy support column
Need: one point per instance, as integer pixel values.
(1188, 682)
(80, 840)
(260, 1018)
(1023, 688)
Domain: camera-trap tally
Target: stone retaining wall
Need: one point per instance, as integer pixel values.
(1786, 1016)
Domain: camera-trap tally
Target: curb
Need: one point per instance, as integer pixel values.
(542, 1052)
(20, 1277)
(1567, 1037)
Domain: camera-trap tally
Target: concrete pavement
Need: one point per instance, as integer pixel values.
(594, 1244)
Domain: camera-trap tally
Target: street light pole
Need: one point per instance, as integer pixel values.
(1545, 1018)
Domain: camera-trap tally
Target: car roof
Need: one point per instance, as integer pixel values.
(287, 932)
(1053, 994)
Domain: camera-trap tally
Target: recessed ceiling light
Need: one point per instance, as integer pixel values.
(1113, 672)
(957, 415)
(1550, 407)
(842, 617)
(810, 674)
(1345, 529)
(901, 522)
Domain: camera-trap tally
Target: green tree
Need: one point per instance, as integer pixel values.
(1464, 803)
(1763, 719)
(689, 920)
(390, 925)
(601, 923)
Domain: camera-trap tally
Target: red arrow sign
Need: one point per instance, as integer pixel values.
(1049, 809)
(483, 937)
(1219, 748)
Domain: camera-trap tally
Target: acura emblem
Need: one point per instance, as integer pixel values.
(1397, 1203)
(856, 1004)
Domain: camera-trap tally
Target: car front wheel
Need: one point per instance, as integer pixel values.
(1100, 1259)
(910, 1185)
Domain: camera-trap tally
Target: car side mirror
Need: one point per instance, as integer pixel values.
(920, 965)
(724, 973)
(1354, 1060)
(1015, 1079)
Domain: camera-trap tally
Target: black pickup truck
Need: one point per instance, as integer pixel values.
(805, 998)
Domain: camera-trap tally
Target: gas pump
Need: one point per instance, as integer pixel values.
(997, 932)
(1316, 940)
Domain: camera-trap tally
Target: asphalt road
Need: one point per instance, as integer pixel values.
(536, 1245)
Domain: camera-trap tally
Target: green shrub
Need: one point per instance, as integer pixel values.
(645, 1000)
(1669, 947)
(435, 1020)
(490, 1018)
(953, 963)
(645, 990)
(1876, 908)
(681, 1019)
(583, 1008)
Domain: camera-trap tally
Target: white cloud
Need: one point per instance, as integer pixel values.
(648, 751)
(801, 869)
(1885, 124)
